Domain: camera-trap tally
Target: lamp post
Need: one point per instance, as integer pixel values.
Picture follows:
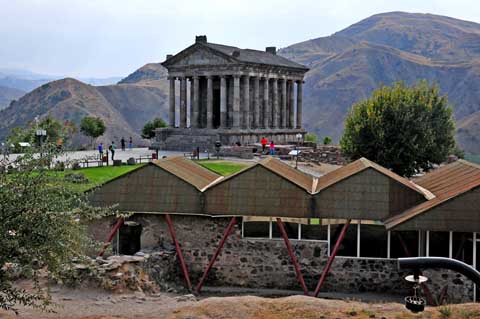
(40, 135)
(299, 137)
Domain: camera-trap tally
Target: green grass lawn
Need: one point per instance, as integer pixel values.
(224, 168)
(98, 175)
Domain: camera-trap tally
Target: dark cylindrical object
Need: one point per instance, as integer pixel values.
(440, 262)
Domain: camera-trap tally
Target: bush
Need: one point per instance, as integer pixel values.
(311, 137)
(327, 140)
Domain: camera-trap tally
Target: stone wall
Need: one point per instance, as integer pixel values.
(329, 154)
(265, 263)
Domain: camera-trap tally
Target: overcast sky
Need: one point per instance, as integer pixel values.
(102, 38)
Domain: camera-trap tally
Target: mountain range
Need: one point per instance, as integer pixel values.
(345, 68)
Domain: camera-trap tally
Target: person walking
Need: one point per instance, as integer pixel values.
(264, 144)
(112, 150)
(122, 143)
(272, 148)
(100, 150)
(130, 144)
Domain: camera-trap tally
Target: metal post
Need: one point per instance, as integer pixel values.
(110, 236)
(474, 255)
(450, 244)
(428, 243)
(214, 257)
(389, 238)
(328, 239)
(292, 256)
(358, 239)
(179, 251)
(332, 257)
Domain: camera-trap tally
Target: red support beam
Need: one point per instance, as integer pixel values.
(332, 257)
(233, 221)
(179, 251)
(110, 236)
(292, 256)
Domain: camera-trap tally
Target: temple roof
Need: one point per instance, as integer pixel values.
(231, 54)
(255, 56)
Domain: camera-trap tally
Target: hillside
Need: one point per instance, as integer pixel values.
(348, 65)
(70, 99)
(7, 95)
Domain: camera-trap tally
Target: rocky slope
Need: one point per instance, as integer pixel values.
(7, 95)
(348, 65)
(124, 108)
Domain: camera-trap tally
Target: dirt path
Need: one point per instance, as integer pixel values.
(96, 304)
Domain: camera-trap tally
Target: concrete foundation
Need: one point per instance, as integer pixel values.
(188, 139)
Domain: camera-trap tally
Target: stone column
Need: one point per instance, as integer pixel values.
(223, 102)
(275, 104)
(266, 111)
(299, 103)
(171, 109)
(246, 101)
(284, 104)
(183, 102)
(209, 102)
(195, 100)
(236, 101)
(256, 102)
(291, 105)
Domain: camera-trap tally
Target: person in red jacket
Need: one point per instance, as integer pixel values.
(272, 148)
(264, 144)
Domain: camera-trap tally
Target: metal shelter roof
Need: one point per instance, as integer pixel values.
(447, 182)
(189, 171)
(360, 165)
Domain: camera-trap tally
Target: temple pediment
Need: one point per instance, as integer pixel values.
(198, 55)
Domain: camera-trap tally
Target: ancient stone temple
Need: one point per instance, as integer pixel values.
(231, 95)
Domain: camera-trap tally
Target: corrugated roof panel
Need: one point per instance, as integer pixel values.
(446, 182)
(295, 176)
(358, 166)
(189, 171)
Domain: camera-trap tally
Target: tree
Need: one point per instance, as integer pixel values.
(403, 128)
(148, 130)
(92, 127)
(310, 137)
(327, 140)
(40, 228)
(56, 132)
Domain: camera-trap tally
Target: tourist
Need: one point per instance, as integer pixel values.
(272, 148)
(264, 144)
(112, 149)
(130, 143)
(100, 150)
(122, 143)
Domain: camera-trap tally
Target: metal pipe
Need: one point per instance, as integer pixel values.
(214, 257)
(332, 257)
(110, 236)
(292, 256)
(179, 251)
(440, 262)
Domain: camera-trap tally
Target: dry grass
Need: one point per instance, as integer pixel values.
(297, 307)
